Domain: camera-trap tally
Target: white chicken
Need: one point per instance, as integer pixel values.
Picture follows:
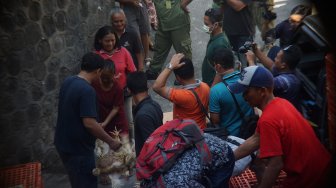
(113, 167)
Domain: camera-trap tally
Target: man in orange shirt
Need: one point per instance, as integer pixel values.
(184, 99)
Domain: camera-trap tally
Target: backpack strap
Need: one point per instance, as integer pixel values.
(198, 140)
(235, 100)
(201, 104)
(204, 152)
(236, 143)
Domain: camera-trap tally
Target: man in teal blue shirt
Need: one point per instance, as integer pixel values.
(223, 109)
(213, 25)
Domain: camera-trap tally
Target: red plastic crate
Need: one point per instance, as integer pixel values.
(24, 175)
(248, 179)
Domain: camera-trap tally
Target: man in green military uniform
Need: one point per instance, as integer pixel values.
(213, 25)
(174, 29)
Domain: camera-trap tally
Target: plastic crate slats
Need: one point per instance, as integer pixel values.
(24, 175)
(248, 179)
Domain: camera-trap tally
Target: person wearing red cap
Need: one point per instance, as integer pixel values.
(284, 138)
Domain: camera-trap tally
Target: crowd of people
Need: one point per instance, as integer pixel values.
(111, 93)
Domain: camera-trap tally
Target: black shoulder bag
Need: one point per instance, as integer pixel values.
(249, 123)
(211, 128)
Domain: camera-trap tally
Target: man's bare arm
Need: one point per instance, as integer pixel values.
(184, 4)
(250, 58)
(263, 59)
(248, 147)
(96, 130)
(237, 5)
(159, 85)
(140, 58)
(111, 115)
(271, 173)
(215, 118)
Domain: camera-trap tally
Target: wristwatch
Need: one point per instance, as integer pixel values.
(169, 66)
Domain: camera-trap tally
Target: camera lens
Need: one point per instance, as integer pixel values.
(242, 50)
(247, 46)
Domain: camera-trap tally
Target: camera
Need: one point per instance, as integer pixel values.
(247, 46)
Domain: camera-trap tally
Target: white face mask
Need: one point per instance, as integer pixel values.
(207, 29)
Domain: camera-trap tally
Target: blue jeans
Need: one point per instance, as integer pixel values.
(79, 170)
(221, 177)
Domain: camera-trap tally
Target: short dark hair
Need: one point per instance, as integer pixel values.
(291, 56)
(215, 15)
(91, 62)
(137, 82)
(101, 33)
(109, 65)
(303, 10)
(224, 57)
(187, 70)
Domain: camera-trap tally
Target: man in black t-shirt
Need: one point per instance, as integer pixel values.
(237, 23)
(77, 127)
(147, 112)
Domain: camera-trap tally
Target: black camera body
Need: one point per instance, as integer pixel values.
(247, 46)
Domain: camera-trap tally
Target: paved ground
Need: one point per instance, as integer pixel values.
(199, 41)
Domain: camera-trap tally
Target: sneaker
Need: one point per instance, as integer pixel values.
(151, 75)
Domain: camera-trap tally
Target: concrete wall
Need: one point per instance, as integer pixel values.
(41, 42)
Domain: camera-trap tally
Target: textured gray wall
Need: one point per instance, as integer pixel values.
(41, 43)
